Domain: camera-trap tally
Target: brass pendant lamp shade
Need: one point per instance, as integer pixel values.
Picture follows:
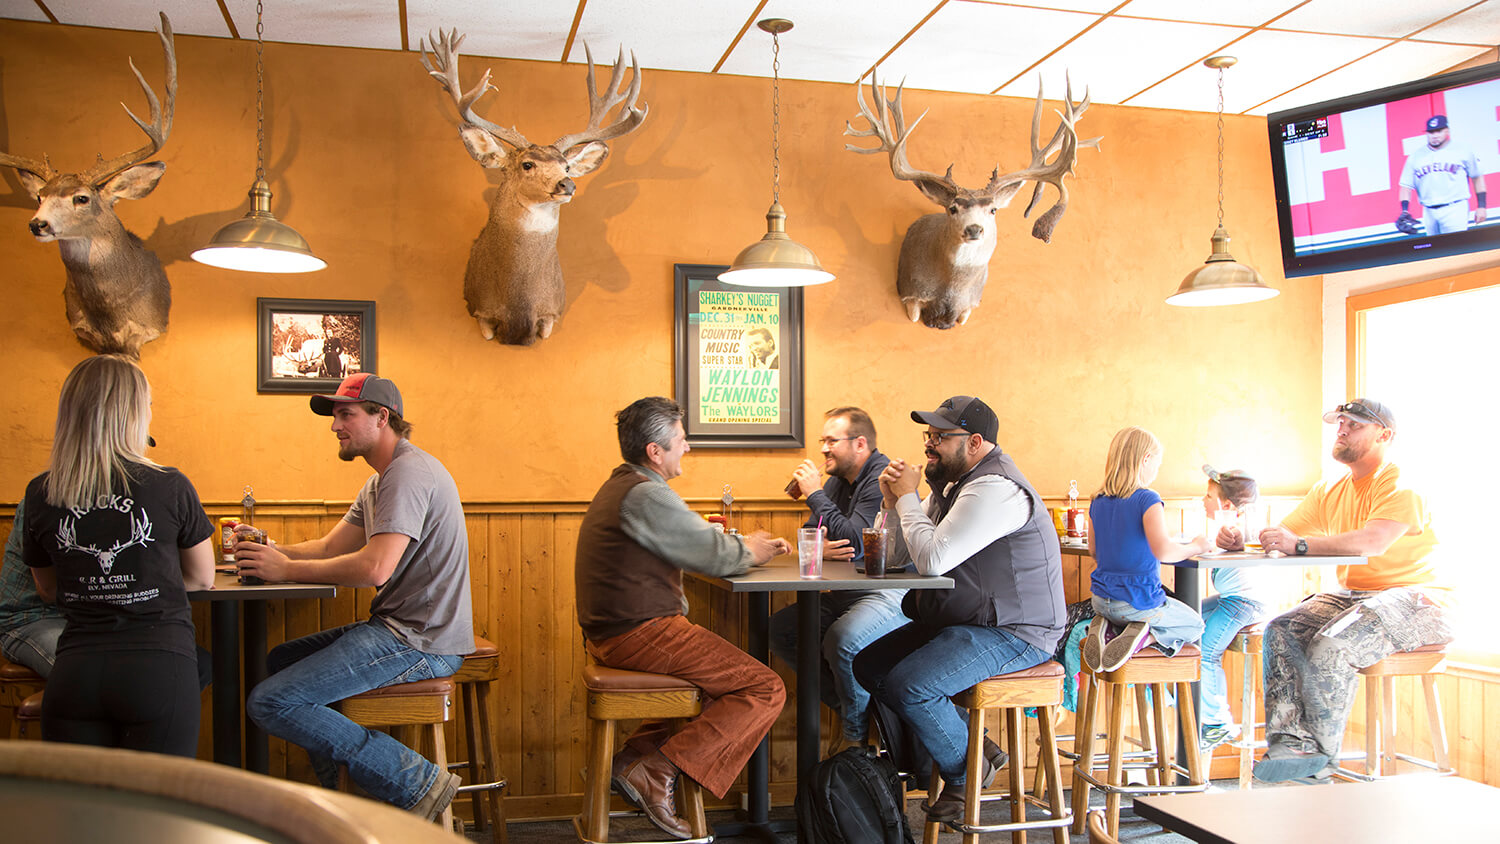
(776, 260)
(258, 242)
(1221, 280)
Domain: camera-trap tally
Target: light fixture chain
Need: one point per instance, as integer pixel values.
(1221, 147)
(260, 93)
(775, 118)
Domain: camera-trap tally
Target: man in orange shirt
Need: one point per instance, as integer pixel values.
(1313, 653)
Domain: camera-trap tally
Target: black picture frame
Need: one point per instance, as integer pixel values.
(289, 355)
(752, 400)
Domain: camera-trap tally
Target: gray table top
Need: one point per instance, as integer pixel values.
(781, 575)
(1241, 559)
(1417, 807)
(227, 587)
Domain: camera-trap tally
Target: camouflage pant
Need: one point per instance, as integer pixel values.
(1314, 651)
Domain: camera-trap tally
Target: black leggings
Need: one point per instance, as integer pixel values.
(139, 700)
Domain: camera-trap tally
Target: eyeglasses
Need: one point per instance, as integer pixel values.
(827, 442)
(1356, 407)
(935, 437)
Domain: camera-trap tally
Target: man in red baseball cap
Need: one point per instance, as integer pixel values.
(405, 536)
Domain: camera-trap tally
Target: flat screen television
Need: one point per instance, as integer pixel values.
(1339, 167)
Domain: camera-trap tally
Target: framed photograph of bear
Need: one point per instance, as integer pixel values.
(310, 345)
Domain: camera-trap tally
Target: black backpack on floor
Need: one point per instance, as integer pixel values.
(854, 797)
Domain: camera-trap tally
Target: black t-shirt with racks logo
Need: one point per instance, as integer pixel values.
(118, 565)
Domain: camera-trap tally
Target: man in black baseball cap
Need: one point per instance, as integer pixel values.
(986, 527)
(404, 535)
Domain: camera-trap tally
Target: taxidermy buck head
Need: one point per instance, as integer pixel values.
(116, 294)
(514, 284)
(945, 257)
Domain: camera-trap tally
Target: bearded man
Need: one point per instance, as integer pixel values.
(986, 527)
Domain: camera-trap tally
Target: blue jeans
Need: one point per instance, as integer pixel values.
(916, 669)
(850, 621)
(309, 673)
(1174, 623)
(1223, 616)
(33, 644)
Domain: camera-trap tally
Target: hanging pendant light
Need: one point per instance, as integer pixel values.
(776, 260)
(1221, 280)
(259, 242)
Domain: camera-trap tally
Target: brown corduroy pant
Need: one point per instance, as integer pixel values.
(741, 697)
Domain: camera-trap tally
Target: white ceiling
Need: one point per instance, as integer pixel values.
(1130, 52)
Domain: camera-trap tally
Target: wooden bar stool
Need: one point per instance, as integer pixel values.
(1040, 686)
(475, 677)
(615, 695)
(1149, 668)
(28, 723)
(415, 712)
(1250, 644)
(1380, 756)
(17, 682)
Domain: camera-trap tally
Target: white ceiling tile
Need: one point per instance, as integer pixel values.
(507, 29)
(1238, 13)
(24, 10)
(334, 23)
(1121, 56)
(964, 46)
(188, 18)
(668, 34)
(1403, 61)
(1095, 6)
(1363, 17)
(1476, 26)
(1263, 71)
(836, 40)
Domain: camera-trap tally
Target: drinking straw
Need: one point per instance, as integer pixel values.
(880, 520)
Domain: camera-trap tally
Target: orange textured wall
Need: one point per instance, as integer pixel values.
(1072, 342)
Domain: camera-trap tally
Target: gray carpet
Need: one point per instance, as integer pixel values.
(637, 828)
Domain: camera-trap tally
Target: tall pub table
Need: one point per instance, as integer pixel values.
(781, 574)
(225, 600)
(1189, 589)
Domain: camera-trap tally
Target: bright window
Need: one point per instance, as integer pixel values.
(1429, 352)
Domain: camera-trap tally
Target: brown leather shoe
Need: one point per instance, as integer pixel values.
(621, 763)
(949, 805)
(651, 784)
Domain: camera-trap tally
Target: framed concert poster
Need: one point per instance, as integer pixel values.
(738, 360)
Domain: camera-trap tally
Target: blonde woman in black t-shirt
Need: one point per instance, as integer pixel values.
(116, 541)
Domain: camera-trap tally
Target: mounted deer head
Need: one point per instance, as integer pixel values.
(514, 284)
(945, 258)
(116, 294)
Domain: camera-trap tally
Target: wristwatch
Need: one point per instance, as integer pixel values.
(1300, 549)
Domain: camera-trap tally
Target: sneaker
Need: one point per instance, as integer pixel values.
(1091, 649)
(1214, 735)
(1284, 762)
(437, 797)
(1121, 648)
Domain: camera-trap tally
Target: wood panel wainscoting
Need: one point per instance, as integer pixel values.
(521, 565)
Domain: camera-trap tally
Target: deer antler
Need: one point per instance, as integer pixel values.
(1064, 143)
(888, 124)
(443, 66)
(67, 536)
(42, 168)
(629, 117)
(161, 119)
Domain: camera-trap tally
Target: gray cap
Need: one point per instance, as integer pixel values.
(361, 386)
(1363, 410)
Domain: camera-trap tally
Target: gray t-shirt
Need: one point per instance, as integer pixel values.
(426, 601)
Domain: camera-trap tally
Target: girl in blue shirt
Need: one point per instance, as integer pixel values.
(1130, 541)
